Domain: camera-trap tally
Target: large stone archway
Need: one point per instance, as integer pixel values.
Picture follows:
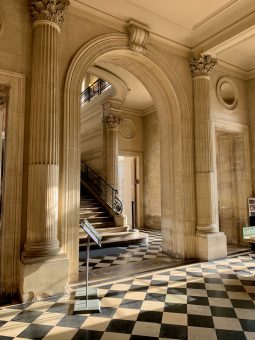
(177, 174)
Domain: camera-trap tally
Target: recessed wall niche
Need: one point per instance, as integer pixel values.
(227, 93)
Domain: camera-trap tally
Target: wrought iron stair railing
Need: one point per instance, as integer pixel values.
(107, 193)
(93, 90)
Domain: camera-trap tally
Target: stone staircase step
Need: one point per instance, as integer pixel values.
(119, 238)
(104, 231)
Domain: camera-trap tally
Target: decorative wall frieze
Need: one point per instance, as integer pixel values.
(138, 36)
(112, 121)
(50, 10)
(202, 65)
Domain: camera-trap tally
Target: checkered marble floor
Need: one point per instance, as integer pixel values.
(126, 254)
(203, 301)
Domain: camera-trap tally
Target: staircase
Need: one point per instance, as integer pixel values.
(102, 220)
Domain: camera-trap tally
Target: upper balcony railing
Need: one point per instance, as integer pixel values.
(94, 90)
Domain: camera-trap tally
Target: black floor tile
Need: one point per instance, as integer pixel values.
(134, 304)
(150, 316)
(72, 321)
(120, 326)
(248, 304)
(173, 331)
(2, 322)
(155, 297)
(223, 312)
(159, 283)
(234, 288)
(27, 316)
(248, 325)
(229, 335)
(136, 288)
(106, 312)
(252, 296)
(177, 278)
(5, 337)
(217, 294)
(115, 294)
(84, 334)
(196, 285)
(200, 321)
(177, 290)
(228, 276)
(35, 331)
(212, 280)
(140, 337)
(59, 307)
(175, 308)
(198, 300)
(248, 282)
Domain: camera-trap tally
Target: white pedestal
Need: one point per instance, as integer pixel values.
(211, 246)
(43, 277)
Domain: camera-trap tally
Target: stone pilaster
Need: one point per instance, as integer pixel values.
(205, 149)
(112, 120)
(43, 171)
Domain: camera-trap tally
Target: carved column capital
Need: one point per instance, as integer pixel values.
(112, 121)
(138, 36)
(50, 10)
(202, 65)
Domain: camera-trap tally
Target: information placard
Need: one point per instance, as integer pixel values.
(91, 231)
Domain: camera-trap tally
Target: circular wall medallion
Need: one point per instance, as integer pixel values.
(227, 93)
(128, 128)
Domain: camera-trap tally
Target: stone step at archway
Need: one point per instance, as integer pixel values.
(103, 222)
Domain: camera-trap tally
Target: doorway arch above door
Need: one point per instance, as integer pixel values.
(176, 139)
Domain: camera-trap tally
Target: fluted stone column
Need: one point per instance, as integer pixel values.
(43, 170)
(112, 120)
(211, 243)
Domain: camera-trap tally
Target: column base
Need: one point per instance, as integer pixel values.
(211, 246)
(42, 277)
(120, 220)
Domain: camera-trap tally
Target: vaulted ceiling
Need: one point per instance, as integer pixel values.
(224, 28)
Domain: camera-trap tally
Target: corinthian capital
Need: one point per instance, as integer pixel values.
(138, 36)
(112, 121)
(202, 65)
(51, 10)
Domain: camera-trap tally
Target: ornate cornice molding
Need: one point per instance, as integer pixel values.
(202, 65)
(138, 36)
(49, 10)
(112, 121)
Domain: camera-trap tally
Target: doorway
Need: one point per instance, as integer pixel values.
(127, 187)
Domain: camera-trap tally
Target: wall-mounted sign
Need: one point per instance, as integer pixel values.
(251, 206)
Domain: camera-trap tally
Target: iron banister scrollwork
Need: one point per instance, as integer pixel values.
(93, 90)
(102, 188)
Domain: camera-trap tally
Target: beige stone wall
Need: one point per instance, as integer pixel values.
(152, 186)
(240, 113)
(251, 102)
(92, 138)
(233, 159)
(131, 141)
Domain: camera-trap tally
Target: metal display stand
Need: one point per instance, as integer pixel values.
(86, 299)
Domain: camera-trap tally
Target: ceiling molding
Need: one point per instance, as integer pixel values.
(233, 30)
(113, 22)
(213, 14)
(248, 33)
(149, 111)
(120, 26)
(231, 70)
